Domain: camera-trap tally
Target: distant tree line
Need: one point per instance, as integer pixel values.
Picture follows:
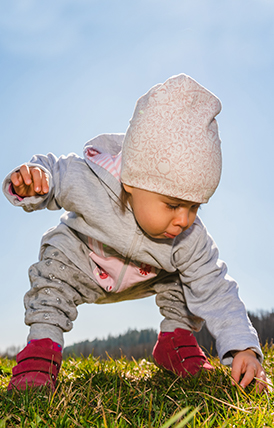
(139, 344)
(263, 322)
(136, 344)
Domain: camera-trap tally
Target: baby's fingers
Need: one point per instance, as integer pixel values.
(45, 183)
(26, 174)
(37, 179)
(255, 372)
(261, 381)
(249, 375)
(16, 179)
(236, 372)
(30, 181)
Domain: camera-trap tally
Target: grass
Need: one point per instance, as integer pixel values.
(99, 393)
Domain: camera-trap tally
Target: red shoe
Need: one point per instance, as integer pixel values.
(38, 365)
(180, 353)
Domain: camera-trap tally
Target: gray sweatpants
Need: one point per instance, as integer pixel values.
(58, 287)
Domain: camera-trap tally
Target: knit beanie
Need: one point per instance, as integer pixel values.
(172, 146)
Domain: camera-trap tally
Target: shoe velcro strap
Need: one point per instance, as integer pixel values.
(184, 340)
(190, 351)
(32, 351)
(200, 357)
(37, 365)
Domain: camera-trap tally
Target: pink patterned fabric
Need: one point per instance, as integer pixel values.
(111, 163)
(172, 144)
(108, 269)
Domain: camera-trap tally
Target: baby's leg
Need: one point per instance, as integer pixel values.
(171, 301)
(177, 349)
(57, 288)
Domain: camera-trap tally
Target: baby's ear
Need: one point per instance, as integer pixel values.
(127, 188)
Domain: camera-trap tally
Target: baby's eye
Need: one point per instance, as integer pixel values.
(196, 206)
(172, 207)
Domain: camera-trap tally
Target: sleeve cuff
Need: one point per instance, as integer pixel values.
(13, 193)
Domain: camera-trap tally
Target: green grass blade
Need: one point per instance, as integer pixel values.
(186, 419)
(3, 422)
(175, 418)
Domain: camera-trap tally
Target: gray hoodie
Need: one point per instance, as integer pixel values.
(96, 227)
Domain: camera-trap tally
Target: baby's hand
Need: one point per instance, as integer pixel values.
(245, 362)
(30, 181)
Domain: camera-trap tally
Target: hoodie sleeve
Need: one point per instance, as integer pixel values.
(212, 294)
(56, 170)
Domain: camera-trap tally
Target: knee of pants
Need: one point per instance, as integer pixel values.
(49, 290)
(45, 304)
(50, 300)
(55, 266)
(171, 301)
(57, 288)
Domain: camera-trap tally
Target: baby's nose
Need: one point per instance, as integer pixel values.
(182, 219)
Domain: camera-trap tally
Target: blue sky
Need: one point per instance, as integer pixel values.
(72, 69)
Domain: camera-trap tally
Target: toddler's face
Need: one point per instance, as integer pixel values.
(161, 216)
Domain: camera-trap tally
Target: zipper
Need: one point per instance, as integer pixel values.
(127, 260)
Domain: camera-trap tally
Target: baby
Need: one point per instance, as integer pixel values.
(131, 230)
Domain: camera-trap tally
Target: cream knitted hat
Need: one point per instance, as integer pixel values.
(172, 144)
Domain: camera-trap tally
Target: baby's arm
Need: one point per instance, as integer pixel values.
(35, 185)
(45, 182)
(30, 181)
(213, 296)
(246, 363)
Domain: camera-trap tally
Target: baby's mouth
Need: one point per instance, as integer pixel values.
(168, 235)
